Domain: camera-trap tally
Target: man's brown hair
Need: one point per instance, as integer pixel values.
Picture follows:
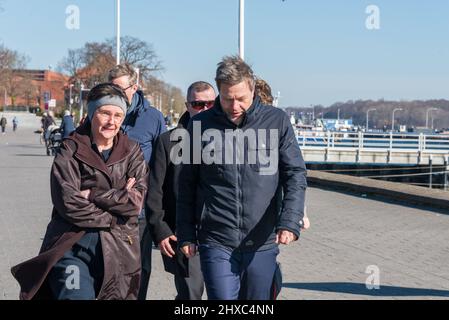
(233, 70)
(124, 69)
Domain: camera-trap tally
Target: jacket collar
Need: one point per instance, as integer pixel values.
(184, 120)
(138, 104)
(249, 115)
(85, 152)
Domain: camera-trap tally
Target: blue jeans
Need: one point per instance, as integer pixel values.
(78, 275)
(232, 275)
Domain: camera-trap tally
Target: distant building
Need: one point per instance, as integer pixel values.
(49, 88)
(338, 124)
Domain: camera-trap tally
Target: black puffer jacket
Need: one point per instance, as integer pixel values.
(243, 203)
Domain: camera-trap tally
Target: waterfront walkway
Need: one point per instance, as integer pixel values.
(409, 246)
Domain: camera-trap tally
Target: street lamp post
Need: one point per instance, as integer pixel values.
(171, 105)
(338, 115)
(118, 31)
(242, 30)
(392, 118)
(427, 116)
(70, 98)
(81, 100)
(367, 112)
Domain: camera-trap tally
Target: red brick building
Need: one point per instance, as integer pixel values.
(47, 85)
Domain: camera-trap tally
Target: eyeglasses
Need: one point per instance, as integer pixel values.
(200, 105)
(124, 89)
(106, 115)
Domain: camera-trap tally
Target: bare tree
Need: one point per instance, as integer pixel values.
(138, 53)
(164, 95)
(72, 63)
(12, 77)
(92, 62)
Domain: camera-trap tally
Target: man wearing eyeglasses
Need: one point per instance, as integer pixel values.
(244, 216)
(162, 195)
(143, 124)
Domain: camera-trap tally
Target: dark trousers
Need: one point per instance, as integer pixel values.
(78, 275)
(232, 275)
(189, 285)
(146, 245)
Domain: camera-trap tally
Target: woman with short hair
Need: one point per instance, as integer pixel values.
(98, 183)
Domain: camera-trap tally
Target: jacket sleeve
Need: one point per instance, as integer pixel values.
(65, 181)
(155, 212)
(162, 128)
(124, 202)
(185, 204)
(292, 172)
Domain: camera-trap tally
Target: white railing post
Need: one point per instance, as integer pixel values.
(445, 173)
(420, 142)
(391, 140)
(424, 138)
(360, 140)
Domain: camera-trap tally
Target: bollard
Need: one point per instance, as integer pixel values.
(430, 172)
(445, 173)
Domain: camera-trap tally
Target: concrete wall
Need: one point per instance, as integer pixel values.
(407, 194)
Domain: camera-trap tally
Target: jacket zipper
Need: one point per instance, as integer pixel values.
(239, 197)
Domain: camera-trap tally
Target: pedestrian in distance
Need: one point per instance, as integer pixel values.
(15, 123)
(67, 125)
(3, 123)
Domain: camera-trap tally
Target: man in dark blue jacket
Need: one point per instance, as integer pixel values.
(241, 157)
(143, 124)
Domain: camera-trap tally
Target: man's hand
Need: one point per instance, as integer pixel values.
(85, 193)
(305, 220)
(306, 223)
(189, 250)
(130, 183)
(166, 247)
(285, 237)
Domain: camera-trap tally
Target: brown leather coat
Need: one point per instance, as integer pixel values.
(111, 209)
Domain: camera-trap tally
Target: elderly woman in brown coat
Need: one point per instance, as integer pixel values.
(98, 184)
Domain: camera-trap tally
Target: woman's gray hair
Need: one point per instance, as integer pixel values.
(233, 70)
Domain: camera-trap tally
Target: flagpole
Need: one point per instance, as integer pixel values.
(242, 30)
(118, 31)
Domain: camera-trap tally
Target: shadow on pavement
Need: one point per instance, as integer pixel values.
(361, 289)
(31, 155)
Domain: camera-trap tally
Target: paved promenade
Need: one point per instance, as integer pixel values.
(408, 246)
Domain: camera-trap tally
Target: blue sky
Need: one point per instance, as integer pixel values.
(313, 52)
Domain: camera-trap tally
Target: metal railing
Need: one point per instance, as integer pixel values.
(364, 141)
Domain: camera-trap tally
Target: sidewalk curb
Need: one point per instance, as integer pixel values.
(409, 194)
